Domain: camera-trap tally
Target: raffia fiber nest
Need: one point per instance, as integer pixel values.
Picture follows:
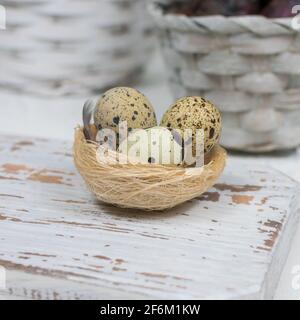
(144, 186)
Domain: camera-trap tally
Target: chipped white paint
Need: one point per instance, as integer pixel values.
(58, 242)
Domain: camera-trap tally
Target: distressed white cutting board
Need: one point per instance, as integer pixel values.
(58, 242)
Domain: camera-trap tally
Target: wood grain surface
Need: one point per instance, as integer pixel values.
(58, 242)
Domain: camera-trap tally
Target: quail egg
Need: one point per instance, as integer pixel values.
(124, 104)
(195, 113)
(155, 145)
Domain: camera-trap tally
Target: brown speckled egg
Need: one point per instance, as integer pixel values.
(124, 104)
(195, 113)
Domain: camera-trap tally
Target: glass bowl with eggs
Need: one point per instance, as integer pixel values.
(130, 160)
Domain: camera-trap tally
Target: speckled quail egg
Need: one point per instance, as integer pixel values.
(195, 113)
(124, 104)
(155, 145)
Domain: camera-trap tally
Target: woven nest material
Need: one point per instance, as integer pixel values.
(144, 186)
(249, 66)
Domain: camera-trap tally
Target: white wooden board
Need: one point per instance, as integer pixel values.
(57, 241)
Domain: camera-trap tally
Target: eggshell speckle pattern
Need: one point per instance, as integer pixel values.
(195, 113)
(155, 145)
(124, 104)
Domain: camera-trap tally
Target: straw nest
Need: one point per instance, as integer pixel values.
(143, 186)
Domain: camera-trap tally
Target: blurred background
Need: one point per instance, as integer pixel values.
(56, 54)
(242, 55)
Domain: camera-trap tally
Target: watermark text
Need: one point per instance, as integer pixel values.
(296, 18)
(2, 18)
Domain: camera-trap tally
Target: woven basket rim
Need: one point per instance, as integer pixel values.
(157, 5)
(202, 23)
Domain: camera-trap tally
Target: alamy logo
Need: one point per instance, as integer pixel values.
(156, 145)
(296, 19)
(2, 278)
(2, 18)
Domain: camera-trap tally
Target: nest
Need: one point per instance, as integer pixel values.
(144, 186)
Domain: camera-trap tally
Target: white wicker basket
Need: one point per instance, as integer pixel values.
(67, 47)
(249, 66)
